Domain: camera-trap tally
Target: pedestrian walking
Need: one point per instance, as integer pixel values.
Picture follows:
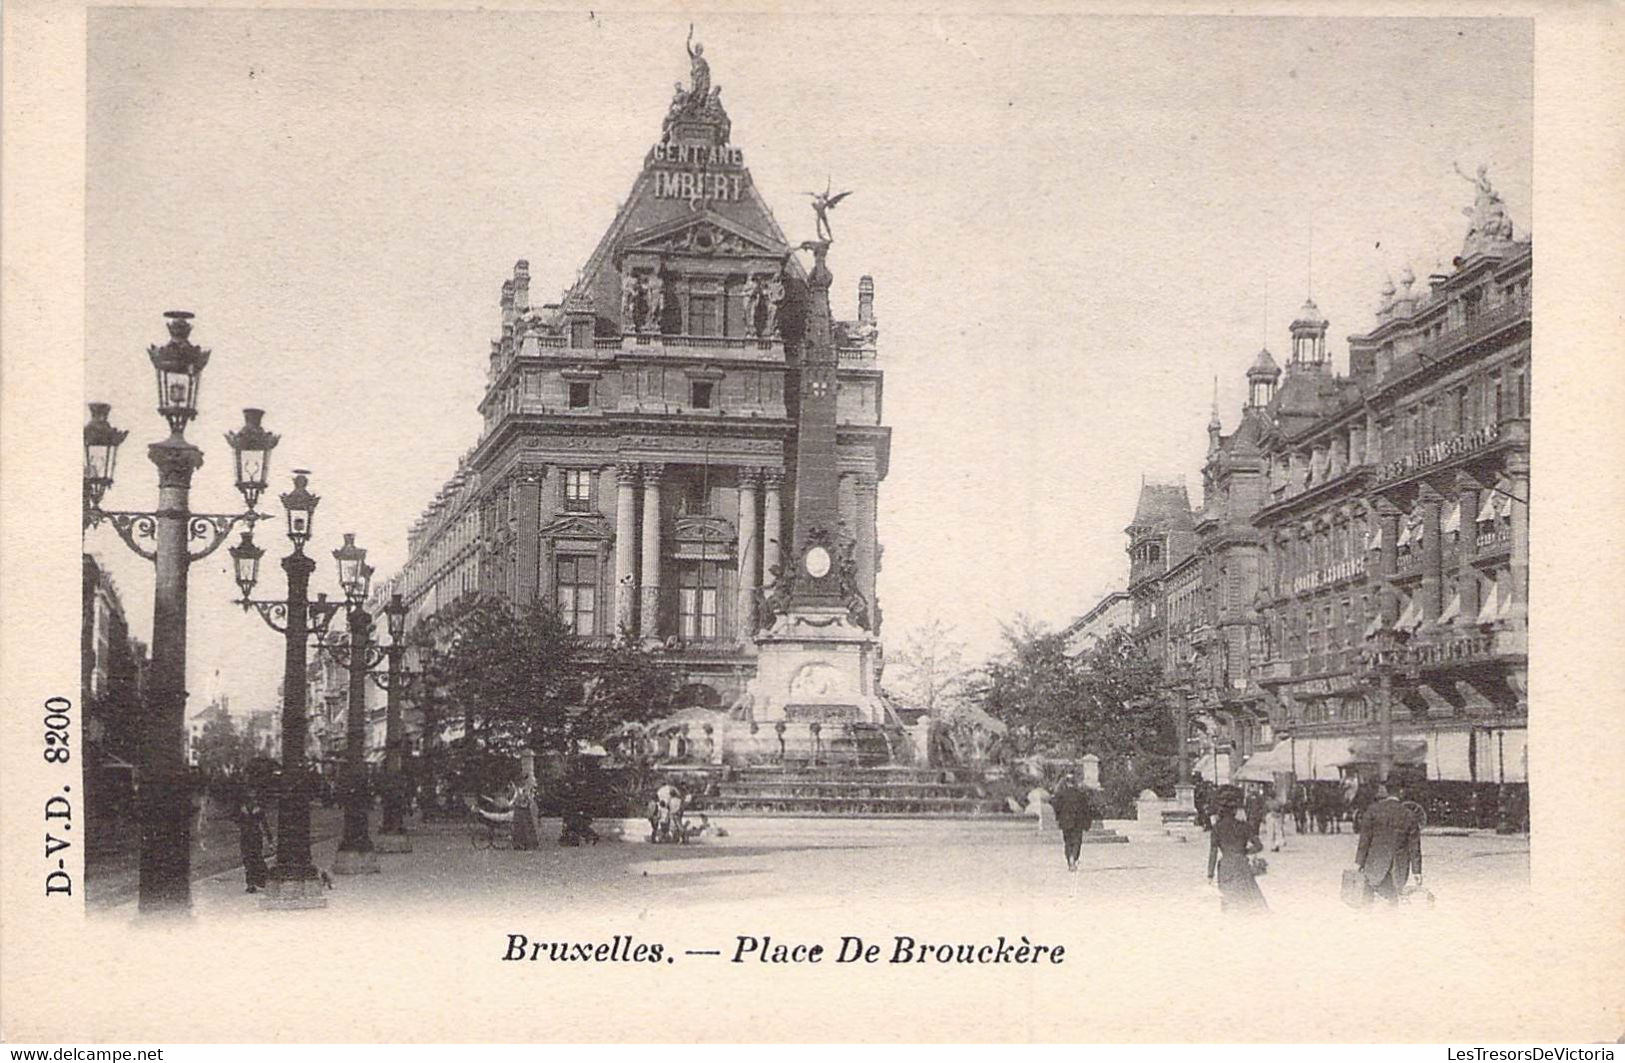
(253, 835)
(1275, 824)
(1230, 848)
(1074, 814)
(1390, 848)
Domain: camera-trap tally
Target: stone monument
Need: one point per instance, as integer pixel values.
(816, 656)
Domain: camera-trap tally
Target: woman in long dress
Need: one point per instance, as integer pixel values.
(253, 834)
(1231, 843)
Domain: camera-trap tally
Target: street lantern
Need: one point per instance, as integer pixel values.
(251, 447)
(354, 574)
(179, 368)
(301, 507)
(395, 614)
(245, 563)
(101, 452)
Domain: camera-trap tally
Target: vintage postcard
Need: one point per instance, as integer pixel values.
(856, 525)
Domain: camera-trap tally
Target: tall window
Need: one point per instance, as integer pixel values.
(704, 315)
(578, 490)
(577, 583)
(1494, 400)
(697, 600)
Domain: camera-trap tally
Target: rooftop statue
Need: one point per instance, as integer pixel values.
(701, 100)
(699, 69)
(1490, 223)
(822, 204)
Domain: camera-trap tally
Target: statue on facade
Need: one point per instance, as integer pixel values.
(775, 303)
(822, 204)
(699, 71)
(654, 293)
(1490, 222)
(629, 302)
(753, 292)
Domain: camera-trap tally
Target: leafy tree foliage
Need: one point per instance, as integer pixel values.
(1108, 700)
(520, 679)
(510, 672)
(624, 685)
(221, 747)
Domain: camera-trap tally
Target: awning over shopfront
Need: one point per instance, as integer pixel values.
(1452, 519)
(1369, 751)
(1411, 618)
(1452, 608)
(1265, 766)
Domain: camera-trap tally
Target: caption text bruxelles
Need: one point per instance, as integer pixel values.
(901, 948)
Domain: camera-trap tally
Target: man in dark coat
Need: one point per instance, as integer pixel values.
(1390, 847)
(1074, 814)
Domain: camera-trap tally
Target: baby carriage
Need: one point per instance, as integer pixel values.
(577, 829)
(493, 820)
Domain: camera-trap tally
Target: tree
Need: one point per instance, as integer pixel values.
(626, 685)
(1109, 700)
(511, 671)
(1036, 690)
(928, 671)
(221, 747)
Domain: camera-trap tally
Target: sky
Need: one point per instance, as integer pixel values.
(1075, 225)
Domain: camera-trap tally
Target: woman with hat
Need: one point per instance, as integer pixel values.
(1231, 843)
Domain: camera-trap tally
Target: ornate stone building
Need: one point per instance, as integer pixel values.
(1397, 495)
(1344, 507)
(636, 465)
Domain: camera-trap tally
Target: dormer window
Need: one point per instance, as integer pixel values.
(1153, 552)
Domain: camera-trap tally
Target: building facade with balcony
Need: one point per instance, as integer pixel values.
(1396, 498)
(636, 463)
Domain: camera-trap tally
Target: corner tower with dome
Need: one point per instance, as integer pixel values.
(643, 441)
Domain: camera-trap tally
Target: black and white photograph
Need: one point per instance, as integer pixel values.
(949, 526)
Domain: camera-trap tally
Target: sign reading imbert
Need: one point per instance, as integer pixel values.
(710, 171)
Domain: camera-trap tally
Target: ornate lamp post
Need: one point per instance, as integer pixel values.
(171, 537)
(1382, 658)
(294, 881)
(356, 854)
(392, 838)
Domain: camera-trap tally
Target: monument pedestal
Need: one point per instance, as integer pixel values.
(293, 892)
(385, 842)
(356, 862)
(814, 691)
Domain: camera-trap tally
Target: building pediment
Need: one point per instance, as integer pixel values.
(577, 526)
(707, 234)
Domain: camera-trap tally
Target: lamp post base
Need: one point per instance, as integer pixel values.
(294, 894)
(356, 862)
(400, 842)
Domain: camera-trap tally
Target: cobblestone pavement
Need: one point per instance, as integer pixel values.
(812, 866)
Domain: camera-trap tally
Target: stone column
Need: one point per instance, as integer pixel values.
(1518, 471)
(626, 535)
(867, 487)
(1432, 556)
(649, 599)
(747, 553)
(1388, 521)
(1468, 498)
(772, 524)
(527, 526)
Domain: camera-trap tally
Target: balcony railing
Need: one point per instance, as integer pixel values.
(1443, 450)
(1493, 539)
(1336, 572)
